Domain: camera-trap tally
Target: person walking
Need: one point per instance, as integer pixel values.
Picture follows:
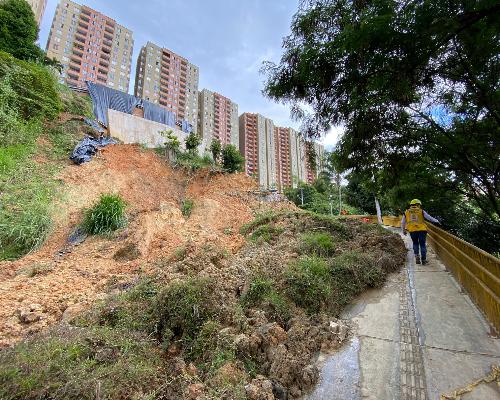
(414, 222)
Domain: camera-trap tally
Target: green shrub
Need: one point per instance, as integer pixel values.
(75, 364)
(318, 243)
(181, 310)
(309, 283)
(106, 216)
(74, 103)
(232, 160)
(266, 233)
(187, 207)
(211, 349)
(262, 292)
(192, 161)
(260, 219)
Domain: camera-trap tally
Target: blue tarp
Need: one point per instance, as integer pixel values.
(159, 114)
(88, 147)
(105, 98)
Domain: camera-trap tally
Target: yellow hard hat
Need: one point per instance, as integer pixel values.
(415, 201)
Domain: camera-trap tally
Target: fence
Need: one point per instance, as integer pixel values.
(477, 272)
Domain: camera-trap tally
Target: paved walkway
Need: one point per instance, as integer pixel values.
(417, 338)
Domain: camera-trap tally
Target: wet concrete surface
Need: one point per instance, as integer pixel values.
(451, 335)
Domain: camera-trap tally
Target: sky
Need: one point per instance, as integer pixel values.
(228, 40)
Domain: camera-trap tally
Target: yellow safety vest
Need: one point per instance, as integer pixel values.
(415, 220)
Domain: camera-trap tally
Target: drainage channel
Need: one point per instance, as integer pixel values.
(412, 372)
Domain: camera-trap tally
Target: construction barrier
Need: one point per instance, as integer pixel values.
(477, 271)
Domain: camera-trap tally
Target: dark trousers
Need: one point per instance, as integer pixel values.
(418, 238)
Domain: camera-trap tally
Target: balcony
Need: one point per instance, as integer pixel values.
(106, 50)
(107, 43)
(84, 18)
(101, 79)
(72, 76)
(109, 30)
(104, 64)
(107, 36)
(86, 12)
(105, 57)
(102, 71)
(83, 26)
(80, 39)
(76, 60)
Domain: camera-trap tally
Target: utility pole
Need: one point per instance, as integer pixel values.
(340, 199)
(331, 204)
(302, 195)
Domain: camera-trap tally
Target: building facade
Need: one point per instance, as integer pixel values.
(217, 119)
(257, 145)
(38, 7)
(90, 46)
(165, 78)
(312, 171)
(283, 153)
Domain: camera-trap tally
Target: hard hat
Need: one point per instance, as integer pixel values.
(415, 201)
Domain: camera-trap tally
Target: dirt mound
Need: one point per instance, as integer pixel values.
(77, 274)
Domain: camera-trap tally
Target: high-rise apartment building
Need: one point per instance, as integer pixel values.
(282, 139)
(257, 144)
(167, 79)
(312, 171)
(38, 7)
(217, 119)
(90, 46)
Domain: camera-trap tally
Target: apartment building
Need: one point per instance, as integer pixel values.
(217, 119)
(282, 139)
(165, 78)
(90, 46)
(257, 144)
(38, 7)
(312, 171)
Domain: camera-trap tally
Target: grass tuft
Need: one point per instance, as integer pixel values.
(106, 216)
(317, 243)
(187, 207)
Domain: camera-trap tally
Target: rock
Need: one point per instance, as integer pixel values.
(191, 369)
(177, 366)
(71, 312)
(242, 344)
(334, 327)
(280, 393)
(273, 334)
(343, 330)
(194, 391)
(229, 373)
(260, 389)
(310, 376)
(30, 314)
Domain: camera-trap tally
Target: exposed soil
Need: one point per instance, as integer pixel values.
(76, 274)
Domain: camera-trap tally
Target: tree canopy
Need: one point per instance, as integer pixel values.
(415, 83)
(19, 30)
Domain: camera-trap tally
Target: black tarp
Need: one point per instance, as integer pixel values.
(88, 147)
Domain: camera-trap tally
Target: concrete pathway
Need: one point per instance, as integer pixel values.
(418, 337)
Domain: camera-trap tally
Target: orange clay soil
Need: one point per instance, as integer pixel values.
(36, 290)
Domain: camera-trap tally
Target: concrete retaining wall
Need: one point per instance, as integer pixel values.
(131, 129)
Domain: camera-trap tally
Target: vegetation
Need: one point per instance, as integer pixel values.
(19, 30)
(416, 86)
(232, 160)
(106, 216)
(266, 233)
(81, 364)
(30, 97)
(216, 149)
(192, 142)
(317, 243)
(186, 207)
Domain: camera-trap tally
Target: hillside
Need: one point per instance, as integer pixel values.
(233, 300)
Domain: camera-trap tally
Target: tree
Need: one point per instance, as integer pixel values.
(412, 82)
(19, 31)
(192, 142)
(232, 160)
(172, 144)
(216, 149)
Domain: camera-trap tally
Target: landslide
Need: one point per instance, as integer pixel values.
(61, 276)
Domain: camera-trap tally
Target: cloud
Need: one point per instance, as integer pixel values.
(332, 137)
